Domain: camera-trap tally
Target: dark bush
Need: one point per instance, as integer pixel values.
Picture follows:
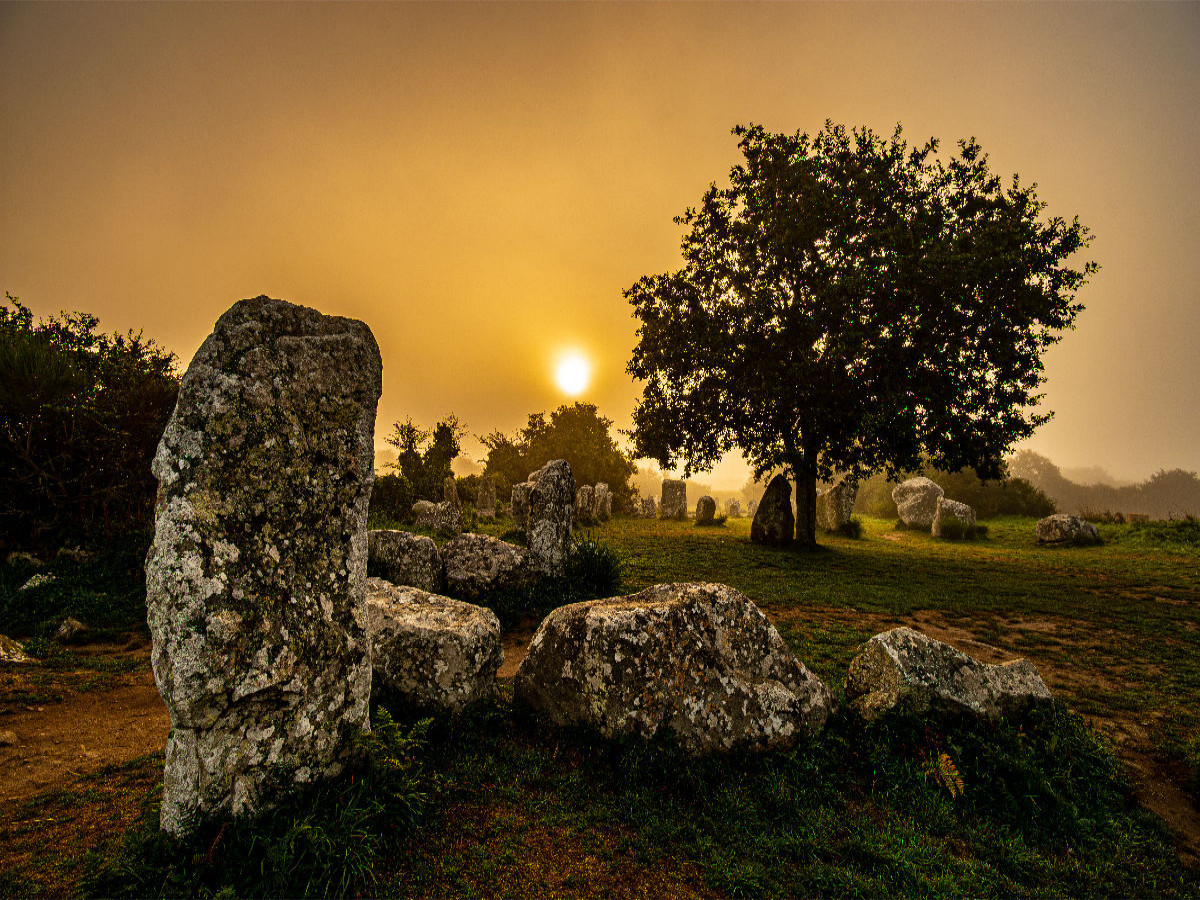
(392, 499)
(851, 528)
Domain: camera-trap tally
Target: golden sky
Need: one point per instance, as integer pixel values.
(479, 182)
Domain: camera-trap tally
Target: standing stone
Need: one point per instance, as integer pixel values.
(255, 581)
(1063, 528)
(450, 492)
(751, 507)
(733, 509)
(551, 514)
(485, 504)
(585, 505)
(706, 510)
(774, 522)
(602, 506)
(520, 505)
(835, 505)
(952, 510)
(649, 510)
(674, 503)
(916, 501)
(608, 502)
(405, 559)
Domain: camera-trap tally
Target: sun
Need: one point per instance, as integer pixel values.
(573, 373)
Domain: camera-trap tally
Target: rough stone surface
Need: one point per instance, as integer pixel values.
(706, 510)
(440, 518)
(520, 505)
(8, 739)
(68, 629)
(774, 522)
(674, 503)
(951, 510)
(478, 563)
(649, 508)
(1062, 528)
(602, 502)
(733, 509)
(835, 505)
(485, 503)
(13, 652)
(906, 669)
(405, 559)
(551, 516)
(916, 501)
(585, 505)
(432, 653)
(37, 581)
(698, 659)
(450, 491)
(422, 506)
(256, 578)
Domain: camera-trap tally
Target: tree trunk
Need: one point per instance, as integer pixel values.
(806, 506)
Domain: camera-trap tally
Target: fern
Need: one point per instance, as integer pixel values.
(943, 770)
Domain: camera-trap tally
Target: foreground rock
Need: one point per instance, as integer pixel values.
(774, 522)
(674, 500)
(432, 653)
(698, 659)
(916, 502)
(255, 581)
(1062, 528)
(835, 505)
(551, 516)
(706, 510)
(906, 670)
(477, 564)
(950, 511)
(12, 652)
(404, 558)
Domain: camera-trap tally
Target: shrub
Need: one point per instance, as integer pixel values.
(392, 499)
(718, 521)
(851, 528)
(1102, 516)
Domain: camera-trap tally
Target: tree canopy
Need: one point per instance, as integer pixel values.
(424, 455)
(852, 304)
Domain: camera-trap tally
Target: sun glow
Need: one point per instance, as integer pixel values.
(573, 373)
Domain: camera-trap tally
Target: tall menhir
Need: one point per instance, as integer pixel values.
(256, 577)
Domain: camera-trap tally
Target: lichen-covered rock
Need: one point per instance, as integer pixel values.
(916, 501)
(835, 505)
(476, 564)
(698, 659)
(422, 506)
(37, 580)
(551, 516)
(733, 509)
(405, 559)
(450, 491)
(520, 505)
(69, 629)
(485, 502)
(706, 510)
(910, 671)
(673, 504)
(585, 505)
(951, 511)
(649, 509)
(255, 581)
(1062, 528)
(432, 653)
(440, 518)
(13, 652)
(602, 502)
(774, 522)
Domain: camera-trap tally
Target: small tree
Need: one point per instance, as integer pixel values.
(849, 304)
(423, 456)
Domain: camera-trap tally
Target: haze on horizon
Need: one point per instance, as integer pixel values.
(479, 182)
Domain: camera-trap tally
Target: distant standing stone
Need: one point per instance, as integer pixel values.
(751, 507)
(255, 581)
(733, 509)
(551, 516)
(674, 503)
(649, 509)
(706, 510)
(602, 503)
(952, 510)
(916, 501)
(1062, 528)
(774, 522)
(485, 505)
(450, 491)
(585, 505)
(520, 505)
(835, 505)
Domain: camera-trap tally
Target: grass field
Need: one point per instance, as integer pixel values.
(496, 806)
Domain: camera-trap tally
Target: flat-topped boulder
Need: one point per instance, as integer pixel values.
(774, 522)
(906, 670)
(404, 558)
(477, 564)
(698, 659)
(431, 653)
(1063, 528)
(916, 501)
(255, 581)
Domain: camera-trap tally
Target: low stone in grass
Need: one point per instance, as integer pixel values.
(698, 659)
(431, 653)
(441, 518)
(949, 512)
(1063, 528)
(706, 510)
(908, 671)
(404, 558)
(774, 522)
(477, 564)
(916, 502)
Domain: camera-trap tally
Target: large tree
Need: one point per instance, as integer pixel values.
(850, 304)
